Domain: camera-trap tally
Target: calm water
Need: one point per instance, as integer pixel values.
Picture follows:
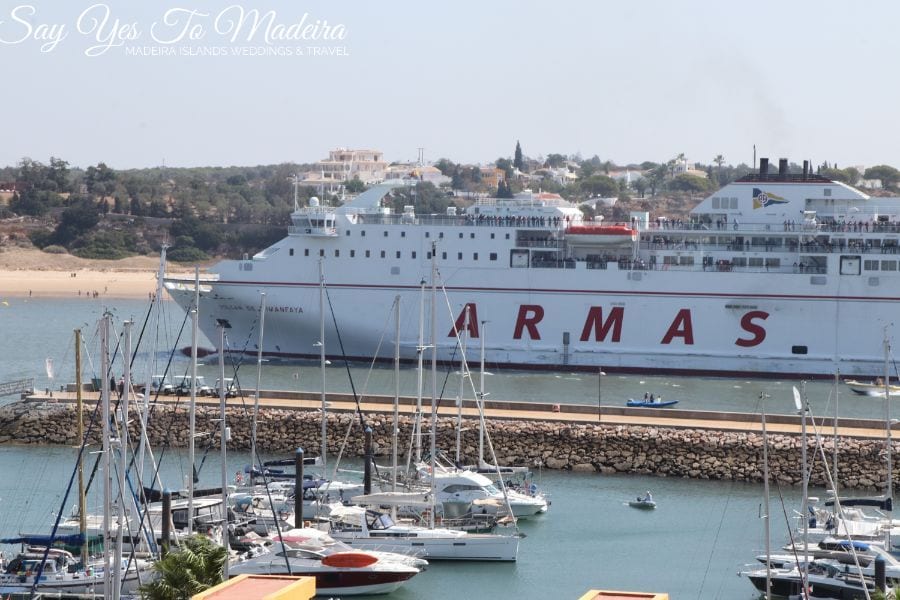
(692, 546)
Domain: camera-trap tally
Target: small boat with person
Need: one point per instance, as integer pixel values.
(874, 388)
(644, 502)
(650, 401)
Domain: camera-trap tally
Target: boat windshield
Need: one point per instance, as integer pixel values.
(491, 489)
(381, 521)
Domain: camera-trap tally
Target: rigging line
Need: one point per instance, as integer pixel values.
(792, 541)
(337, 330)
(716, 539)
(364, 393)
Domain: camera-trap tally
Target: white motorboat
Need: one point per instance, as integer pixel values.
(457, 485)
(338, 571)
(370, 529)
(873, 388)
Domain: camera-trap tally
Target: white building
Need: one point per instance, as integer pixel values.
(343, 165)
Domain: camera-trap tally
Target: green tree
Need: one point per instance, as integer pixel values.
(888, 175)
(555, 160)
(506, 165)
(719, 160)
(77, 220)
(600, 185)
(197, 566)
(518, 161)
(355, 186)
(640, 185)
(690, 183)
(656, 177)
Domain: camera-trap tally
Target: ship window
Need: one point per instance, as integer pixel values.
(492, 236)
(413, 255)
(459, 257)
(428, 235)
(773, 262)
(322, 252)
(828, 193)
(507, 237)
(306, 253)
(493, 256)
(382, 254)
(441, 235)
(444, 257)
(757, 262)
(369, 255)
(472, 236)
(715, 205)
(385, 234)
(889, 265)
(352, 253)
(398, 256)
(461, 237)
(348, 232)
(870, 265)
(362, 233)
(474, 256)
(291, 252)
(798, 350)
(738, 261)
(337, 253)
(428, 255)
(402, 234)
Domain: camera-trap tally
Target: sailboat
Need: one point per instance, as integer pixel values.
(40, 567)
(363, 527)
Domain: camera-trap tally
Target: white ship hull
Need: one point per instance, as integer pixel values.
(649, 309)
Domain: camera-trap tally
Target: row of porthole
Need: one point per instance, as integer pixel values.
(398, 254)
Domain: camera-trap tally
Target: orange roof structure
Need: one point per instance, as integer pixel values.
(608, 595)
(262, 587)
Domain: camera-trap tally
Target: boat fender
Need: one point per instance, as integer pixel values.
(556, 408)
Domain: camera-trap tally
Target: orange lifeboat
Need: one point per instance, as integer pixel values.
(349, 559)
(600, 235)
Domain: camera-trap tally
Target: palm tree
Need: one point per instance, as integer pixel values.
(719, 160)
(197, 566)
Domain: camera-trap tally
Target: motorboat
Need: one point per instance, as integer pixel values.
(873, 388)
(365, 528)
(650, 403)
(642, 504)
(458, 485)
(338, 571)
(823, 580)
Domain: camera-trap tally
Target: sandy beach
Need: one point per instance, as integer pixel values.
(32, 273)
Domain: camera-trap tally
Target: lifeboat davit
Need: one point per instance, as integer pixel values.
(600, 235)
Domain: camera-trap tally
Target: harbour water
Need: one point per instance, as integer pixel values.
(692, 546)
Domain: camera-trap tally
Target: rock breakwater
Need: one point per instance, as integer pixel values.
(600, 448)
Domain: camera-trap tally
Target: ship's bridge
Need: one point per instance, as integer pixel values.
(314, 220)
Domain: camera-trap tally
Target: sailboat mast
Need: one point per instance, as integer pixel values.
(805, 483)
(107, 462)
(259, 359)
(766, 496)
(224, 440)
(481, 333)
(420, 350)
(192, 407)
(322, 365)
(889, 468)
(151, 368)
(82, 516)
(433, 383)
(837, 395)
(463, 371)
(396, 429)
(123, 450)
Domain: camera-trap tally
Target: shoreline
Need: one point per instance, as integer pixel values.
(30, 273)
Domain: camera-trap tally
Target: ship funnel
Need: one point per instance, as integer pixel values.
(763, 168)
(805, 169)
(782, 167)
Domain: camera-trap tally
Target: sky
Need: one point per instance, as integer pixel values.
(140, 83)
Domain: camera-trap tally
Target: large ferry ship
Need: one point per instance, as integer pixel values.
(774, 274)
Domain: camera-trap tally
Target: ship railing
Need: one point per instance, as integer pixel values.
(556, 223)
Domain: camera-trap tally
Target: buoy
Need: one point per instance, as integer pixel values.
(556, 408)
